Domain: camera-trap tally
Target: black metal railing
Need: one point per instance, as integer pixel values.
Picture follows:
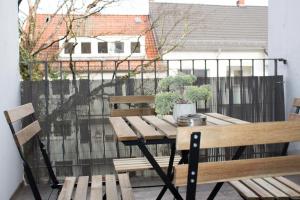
(71, 101)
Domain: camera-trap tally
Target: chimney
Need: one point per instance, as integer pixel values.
(240, 3)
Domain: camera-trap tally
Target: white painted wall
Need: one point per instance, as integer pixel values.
(284, 42)
(10, 167)
(212, 66)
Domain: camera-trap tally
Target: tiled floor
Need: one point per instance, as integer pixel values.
(150, 193)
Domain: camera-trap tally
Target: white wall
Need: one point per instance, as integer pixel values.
(10, 167)
(284, 42)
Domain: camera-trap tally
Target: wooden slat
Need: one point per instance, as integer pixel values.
(126, 189)
(111, 187)
(294, 117)
(66, 191)
(240, 169)
(261, 192)
(296, 102)
(243, 190)
(287, 190)
(131, 99)
(270, 188)
(216, 121)
(96, 188)
(81, 189)
(170, 119)
(141, 163)
(226, 118)
(144, 129)
(132, 112)
(240, 134)
(28, 132)
(166, 128)
(19, 112)
(122, 131)
(289, 183)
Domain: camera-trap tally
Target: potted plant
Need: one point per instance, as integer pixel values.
(178, 95)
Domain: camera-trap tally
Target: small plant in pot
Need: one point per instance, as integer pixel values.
(178, 95)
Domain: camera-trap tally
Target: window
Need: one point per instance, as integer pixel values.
(85, 47)
(69, 48)
(62, 128)
(135, 47)
(102, 47)
(119, 47)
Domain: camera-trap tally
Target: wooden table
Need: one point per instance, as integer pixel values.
(145, 130)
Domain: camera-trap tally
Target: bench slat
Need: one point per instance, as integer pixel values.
(289, 183)
(66, 191)
(122, 130)
(19, 112)
(81, 189)
(287, 190)
(243, 190)
(261, 192)
(227, 118)
(240, 134)
(166, 128)
(293, 116)
(96, 188)
(111, 187)
(131, 99)
(132, 112)
(135, 164)
(270, 188)
(144, 129)
(28, 132)
(170, 119)
(240, 169)
(126, 189)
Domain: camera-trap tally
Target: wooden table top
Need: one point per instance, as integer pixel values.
(152, 127)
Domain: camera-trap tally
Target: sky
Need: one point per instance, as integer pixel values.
(137, 7)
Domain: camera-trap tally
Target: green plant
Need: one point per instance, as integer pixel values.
(179, 90)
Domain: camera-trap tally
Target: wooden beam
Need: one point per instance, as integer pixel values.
(18, 113)
(240, 134)
(240, 169)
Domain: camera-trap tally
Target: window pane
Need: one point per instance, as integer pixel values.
(135, 47)
(102, 47)
(69, 47)
(85, 47)
(119, 47)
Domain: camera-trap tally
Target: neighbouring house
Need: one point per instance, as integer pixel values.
(212, 32)
(98, 38)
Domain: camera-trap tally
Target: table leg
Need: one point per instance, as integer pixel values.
(184, 159)
(218, 186)
(159, 171)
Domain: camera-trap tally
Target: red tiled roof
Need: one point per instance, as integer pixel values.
(95, 25)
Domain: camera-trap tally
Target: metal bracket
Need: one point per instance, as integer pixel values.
(193, 166)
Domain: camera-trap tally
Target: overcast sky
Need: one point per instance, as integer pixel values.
(138, 7)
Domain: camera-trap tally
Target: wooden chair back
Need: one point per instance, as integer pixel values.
(236, 135)
(26, 113)
(116, 101)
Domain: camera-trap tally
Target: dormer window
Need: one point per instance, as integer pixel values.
(102, 47)
(85, 47)
(69, 48)
(135, 47)
(119, 47)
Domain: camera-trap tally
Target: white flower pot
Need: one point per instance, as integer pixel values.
(183, 109)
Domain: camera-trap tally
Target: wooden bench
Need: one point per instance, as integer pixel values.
(116, 111)
(73, 187)
(123, 132)
(257, 178)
